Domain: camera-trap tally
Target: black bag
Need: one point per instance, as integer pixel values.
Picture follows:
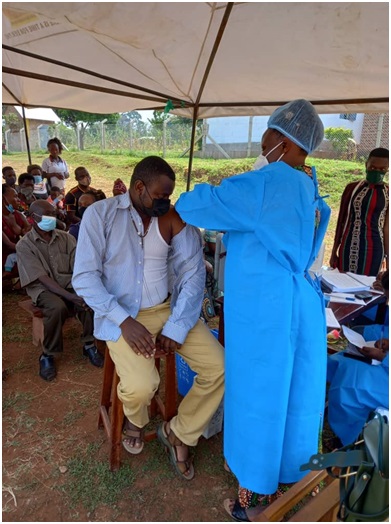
(363, 474)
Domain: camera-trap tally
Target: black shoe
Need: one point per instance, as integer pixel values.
(93, 354)
(47, 370)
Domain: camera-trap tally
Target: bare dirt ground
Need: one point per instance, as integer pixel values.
(55, 460)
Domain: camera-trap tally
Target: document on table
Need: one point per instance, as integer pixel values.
(331, 321)
(344, 298)
(366, 281)
(356, 339)
(342, 282)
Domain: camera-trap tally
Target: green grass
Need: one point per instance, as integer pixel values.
(71, 417)
(91, 483)
(17, 401)
(16, 333)
(333, 175)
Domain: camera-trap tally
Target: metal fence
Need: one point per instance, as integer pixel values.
(347, 136)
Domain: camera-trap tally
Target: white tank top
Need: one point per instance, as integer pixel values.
(155, 278)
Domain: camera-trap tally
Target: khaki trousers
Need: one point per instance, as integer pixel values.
(139, 379)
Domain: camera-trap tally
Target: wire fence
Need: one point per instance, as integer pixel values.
(348, 136)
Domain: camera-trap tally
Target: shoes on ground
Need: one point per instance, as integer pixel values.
(93, 354)
(47, 369)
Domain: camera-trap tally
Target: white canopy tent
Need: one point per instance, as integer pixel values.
(199, 59)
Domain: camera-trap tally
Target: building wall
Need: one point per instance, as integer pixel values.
(376, 133)
(232, 134)
(38, 136)
(228, 130)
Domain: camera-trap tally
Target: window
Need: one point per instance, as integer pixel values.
(348, 116)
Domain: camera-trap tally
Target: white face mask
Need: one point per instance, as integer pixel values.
(47, 223)
(262, 160)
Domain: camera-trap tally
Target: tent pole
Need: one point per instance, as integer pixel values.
(192, 143)
(26, 135)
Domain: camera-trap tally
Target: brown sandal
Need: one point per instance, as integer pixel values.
(170, 441)
(128, 435)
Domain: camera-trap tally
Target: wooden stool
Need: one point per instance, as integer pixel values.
(113, 423)
(37, 316)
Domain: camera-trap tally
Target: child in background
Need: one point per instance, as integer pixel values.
(119, 187)
(56, 199)
(10, 263)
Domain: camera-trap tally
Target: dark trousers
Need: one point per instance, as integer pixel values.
(55, 311)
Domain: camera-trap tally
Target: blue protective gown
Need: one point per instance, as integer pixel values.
(356, 389)
(275, 333)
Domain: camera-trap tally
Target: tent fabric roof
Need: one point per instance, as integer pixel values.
(38, 113)
(230, 58)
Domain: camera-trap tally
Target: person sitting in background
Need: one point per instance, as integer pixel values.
(85, 201)
(119, 187)
(54, 168)
(9, 176)
(10, 265)
(14, 226)
(356, 387)
(45, 261)
(72, 197)
(361, 236)
(26, 191)
(56, 199)
(40, 189)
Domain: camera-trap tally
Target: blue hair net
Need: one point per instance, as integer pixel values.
(299, 122)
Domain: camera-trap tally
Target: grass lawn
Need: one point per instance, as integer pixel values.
(333, 175)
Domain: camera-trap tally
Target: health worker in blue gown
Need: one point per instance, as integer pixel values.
(357, 388)
(275, 331)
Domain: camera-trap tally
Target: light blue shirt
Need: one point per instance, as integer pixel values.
(108, 271)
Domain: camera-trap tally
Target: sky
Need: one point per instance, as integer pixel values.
(145, 115)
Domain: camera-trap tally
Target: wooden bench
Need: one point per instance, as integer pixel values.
(323, 507)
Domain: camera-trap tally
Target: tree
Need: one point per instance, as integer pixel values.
(11, 120)
(339, 138)
(180, 129)
(134, 119)
(158, 118)
(73, 118)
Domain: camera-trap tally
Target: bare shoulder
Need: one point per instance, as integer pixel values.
(170, 224)
(175, 221)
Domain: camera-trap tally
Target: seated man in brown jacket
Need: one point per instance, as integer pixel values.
(45, 261)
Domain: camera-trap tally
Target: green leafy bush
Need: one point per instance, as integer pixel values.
(339, 138)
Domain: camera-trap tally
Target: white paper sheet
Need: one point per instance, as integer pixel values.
(366, 281)
(342, 282)
(356, 339)
(331, 320)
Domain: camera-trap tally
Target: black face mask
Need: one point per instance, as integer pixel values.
(160, 206)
